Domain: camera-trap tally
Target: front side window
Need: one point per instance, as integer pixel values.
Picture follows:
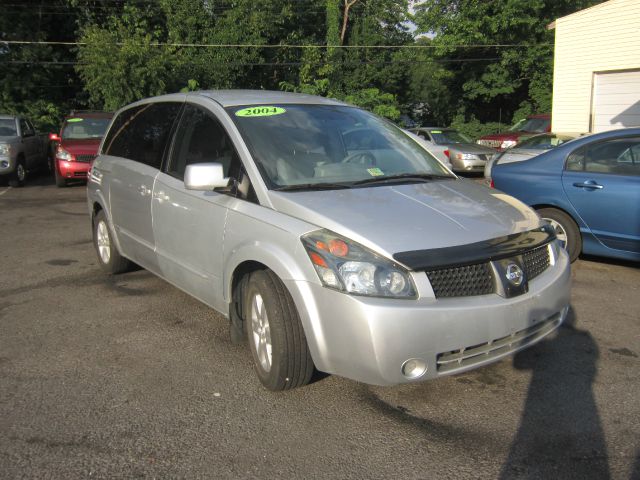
(141, 133)
(320, 144)
(27, 129)
(620, 156)
(201, 139)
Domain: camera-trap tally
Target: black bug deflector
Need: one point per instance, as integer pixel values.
(478, 252)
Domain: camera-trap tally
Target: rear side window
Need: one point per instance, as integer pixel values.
(141, 133)
(619, 156)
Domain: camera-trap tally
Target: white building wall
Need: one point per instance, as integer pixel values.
(603, 38)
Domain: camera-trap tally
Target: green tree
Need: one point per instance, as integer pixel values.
(515, 74)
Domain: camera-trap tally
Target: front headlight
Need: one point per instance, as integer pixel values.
(4, 149)
(347, 266)
(508, 144)
(62, 154)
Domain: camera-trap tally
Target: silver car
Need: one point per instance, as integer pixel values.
(526, 149)
(454, 148)
(328, 237)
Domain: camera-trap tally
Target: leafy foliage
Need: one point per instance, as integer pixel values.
(131, 49)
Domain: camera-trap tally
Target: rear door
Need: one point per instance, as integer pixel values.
(602, 182)
(137, 142)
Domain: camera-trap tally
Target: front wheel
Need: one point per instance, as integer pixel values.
(567, 231)
(108, 256)
(276, 337)
(19, 177)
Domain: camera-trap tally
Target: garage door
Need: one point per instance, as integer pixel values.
(616, 100)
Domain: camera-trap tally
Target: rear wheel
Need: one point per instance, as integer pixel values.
(566, 229)
(278, 344)
(108, 256)
(19, 176)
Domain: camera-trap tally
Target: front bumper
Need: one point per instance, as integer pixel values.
(72, 170)
(7, 165)
(370, 339)
(471, 165)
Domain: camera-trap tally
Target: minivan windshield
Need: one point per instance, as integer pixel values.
(299, 147)
(79, 128)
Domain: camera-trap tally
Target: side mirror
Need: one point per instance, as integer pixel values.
(205, 176)
(54, 137)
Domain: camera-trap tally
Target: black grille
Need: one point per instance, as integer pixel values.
(85, 158)
(462, 281)
(535, 261)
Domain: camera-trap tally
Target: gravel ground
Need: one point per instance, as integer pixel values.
(127, 376)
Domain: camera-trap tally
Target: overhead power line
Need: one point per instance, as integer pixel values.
(248, 45)
(284, 64)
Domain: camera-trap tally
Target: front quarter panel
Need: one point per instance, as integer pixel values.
(257, 234)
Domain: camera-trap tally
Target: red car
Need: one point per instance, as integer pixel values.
(77, 145)
(526, 127)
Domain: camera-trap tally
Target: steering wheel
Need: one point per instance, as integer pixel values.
(360, 158)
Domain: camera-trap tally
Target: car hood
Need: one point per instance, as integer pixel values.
(84, 146)
(472, 148)
(400, 218)
(519, 154)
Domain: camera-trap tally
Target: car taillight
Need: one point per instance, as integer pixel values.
(446, 152)
(491, 185)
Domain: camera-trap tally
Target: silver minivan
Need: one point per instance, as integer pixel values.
(329, 237)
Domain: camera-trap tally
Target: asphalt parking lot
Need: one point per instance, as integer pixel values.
(127, 376)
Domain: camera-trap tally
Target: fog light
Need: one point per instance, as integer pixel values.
(4, 164)
(414, 368)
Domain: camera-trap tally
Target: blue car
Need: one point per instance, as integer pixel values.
(588, 189)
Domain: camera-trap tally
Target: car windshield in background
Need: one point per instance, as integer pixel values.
(538, 125)
(446, 137)
(543, 142)
(82, 128)
(316, 146)
(8, 127)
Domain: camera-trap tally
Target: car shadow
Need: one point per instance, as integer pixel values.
(560, 433)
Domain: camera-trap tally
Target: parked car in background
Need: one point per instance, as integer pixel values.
(77, 145)
(588, 189)
(454, 148)
(524, 128)
(326, 235)
(22, 149)
(527, 148)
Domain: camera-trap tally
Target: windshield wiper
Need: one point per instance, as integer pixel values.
(417, 177)
(311, 186)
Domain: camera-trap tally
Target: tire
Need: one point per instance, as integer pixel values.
(61, 182)
(19, 177)
(566, 229)
(278, 344)
(108, 256)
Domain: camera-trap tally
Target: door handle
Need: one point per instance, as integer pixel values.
(588, 184)
(163, 197)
